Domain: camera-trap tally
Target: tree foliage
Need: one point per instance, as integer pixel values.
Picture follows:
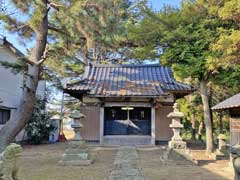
(185, 39)
(88, 31)
(38, 127)
(227, 45)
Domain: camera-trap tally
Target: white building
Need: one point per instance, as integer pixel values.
(11, 84)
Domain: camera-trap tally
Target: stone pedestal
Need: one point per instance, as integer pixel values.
(235, 152)
(176, 141)
(77, 151)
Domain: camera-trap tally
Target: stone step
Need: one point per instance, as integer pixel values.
(127, 140)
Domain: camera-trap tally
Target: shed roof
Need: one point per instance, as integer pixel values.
(231, 102)
(127, 81)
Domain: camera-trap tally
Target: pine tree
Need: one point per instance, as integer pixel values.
(36, 25)
(62, 30)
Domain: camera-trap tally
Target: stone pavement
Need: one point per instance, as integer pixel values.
(126, 165)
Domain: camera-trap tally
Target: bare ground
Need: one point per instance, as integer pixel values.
(41, 163)
(155, 168)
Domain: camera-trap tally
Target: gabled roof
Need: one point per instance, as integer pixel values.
(231, 102)
(4, 42)
(128, 81)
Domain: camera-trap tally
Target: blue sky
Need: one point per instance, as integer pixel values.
(155, 4)
(158, 4)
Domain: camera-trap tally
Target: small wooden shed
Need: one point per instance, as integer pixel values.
(232, 105)
(127, 104)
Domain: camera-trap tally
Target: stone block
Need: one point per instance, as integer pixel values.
(76, 163)
(76, 154)
(177, 145)
(220, 154)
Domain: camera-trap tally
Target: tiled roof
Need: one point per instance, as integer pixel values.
(128, 80)
(231, 102)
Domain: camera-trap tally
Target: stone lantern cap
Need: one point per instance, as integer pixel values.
(176, 113)
(222, 136)
(77, 115)
(56, 116)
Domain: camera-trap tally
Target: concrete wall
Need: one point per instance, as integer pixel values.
(163, 131)
(11, 84)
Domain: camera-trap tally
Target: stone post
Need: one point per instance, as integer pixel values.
(176, 141)
(77, 151)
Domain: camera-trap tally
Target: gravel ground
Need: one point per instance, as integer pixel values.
(41, 163)
(155, 167)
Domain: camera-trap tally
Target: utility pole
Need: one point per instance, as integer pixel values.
(61, 137)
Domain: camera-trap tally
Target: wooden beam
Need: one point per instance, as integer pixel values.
(134, 104)
(101, 125)
(153, 126)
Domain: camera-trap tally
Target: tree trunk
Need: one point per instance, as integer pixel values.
(207, 116)
(193, 120)
(193, 126)
(220, 115)
(210, 105)
(24, 112)
(200, 129)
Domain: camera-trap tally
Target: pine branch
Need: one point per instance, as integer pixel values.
(44, 57)
(20, 27)
(93, 5)
(29, 62)
(53, 5)
(15, 67)
(52, 28)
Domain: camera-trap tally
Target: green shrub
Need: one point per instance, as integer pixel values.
(38, 127)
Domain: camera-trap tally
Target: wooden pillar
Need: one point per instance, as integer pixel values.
(101, 125)
(153, 129)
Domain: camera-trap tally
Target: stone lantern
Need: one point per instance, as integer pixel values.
(235, 152)
(77, 151)
(176, 141)
(222, 145)
(77, 125)
(222, 150)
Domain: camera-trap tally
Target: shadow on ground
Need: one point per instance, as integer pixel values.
(41, 163)
(156, 167)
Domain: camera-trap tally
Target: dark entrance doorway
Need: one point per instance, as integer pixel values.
(127, 121)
